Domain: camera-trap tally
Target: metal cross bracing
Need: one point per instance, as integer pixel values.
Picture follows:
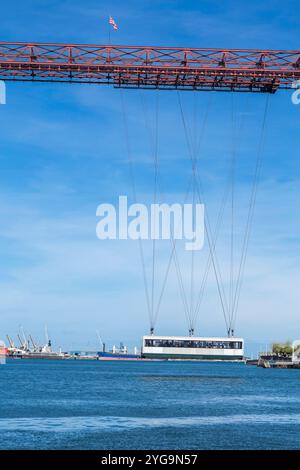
(151, 67)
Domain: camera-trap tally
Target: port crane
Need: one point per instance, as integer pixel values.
(23, 344)
(163, 68)
(34, 345)
(10, 341)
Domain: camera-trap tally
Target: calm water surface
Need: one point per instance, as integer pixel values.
(158, 405)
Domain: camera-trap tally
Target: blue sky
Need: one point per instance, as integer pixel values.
(62, 152)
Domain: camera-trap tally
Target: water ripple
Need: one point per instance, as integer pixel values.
(116, 423)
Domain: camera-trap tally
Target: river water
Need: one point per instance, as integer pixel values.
(147, 405)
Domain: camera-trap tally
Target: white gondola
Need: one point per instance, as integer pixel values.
(193, 348)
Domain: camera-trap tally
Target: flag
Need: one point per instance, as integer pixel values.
(113, 23)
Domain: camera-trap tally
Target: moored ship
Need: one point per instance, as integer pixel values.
(118, 354)
(29, 349)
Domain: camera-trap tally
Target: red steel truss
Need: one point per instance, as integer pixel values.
(151, 67)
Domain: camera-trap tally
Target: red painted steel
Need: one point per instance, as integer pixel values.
(151, 67)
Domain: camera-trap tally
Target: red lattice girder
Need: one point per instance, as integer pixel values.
(151, 67)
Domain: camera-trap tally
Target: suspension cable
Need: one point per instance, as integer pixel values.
(173, 253)
(155, 311)
(223, 203)
(155, 158)
(252, 203)
(200, 193)
(134, 193)
(188, 311)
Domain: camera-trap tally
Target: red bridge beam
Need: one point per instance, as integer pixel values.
(151, 67)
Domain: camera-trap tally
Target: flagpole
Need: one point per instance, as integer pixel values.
(111, 23)
(109, 27)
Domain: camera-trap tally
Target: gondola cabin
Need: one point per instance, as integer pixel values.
(193, 348)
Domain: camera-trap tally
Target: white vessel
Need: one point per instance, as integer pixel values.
(193, 347)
